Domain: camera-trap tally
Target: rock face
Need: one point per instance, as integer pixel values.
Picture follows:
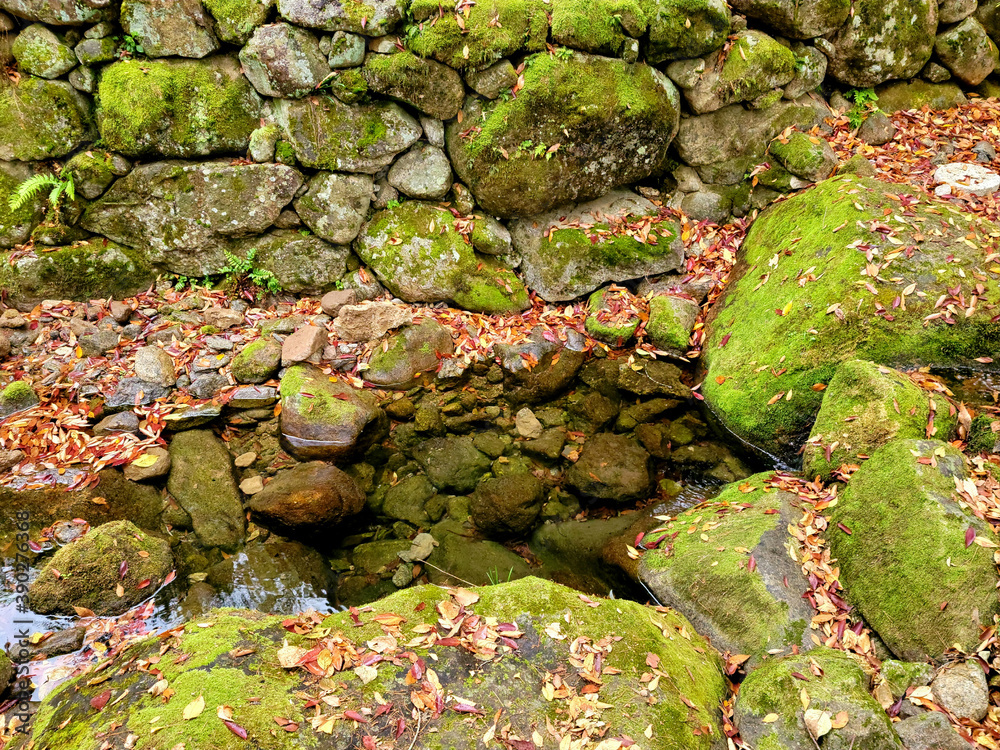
(284, 61)
(182, 215)
(87, 572)
(572, 251)
(843, 686)
(821, 323)
(419, 262)
(41, 119)
(508, 505)
(865, 407)
(81, 272)
(301, 263)
(967, 51)
(16, 226)
(611, 467)
(424, 172)
(409, 353)
(904, 518)
(431, 87)
(309, 498)
(331, 135)
(882, 41)
(201, 480)
(327, 420)
(694, 668)
(39, 52)
(613, 124)
(335, 206)
(169, 27)
(744, 609)
(375, 18)
(179, 108)
(797, 20)
(58, 12)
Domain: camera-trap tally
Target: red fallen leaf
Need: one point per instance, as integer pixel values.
(420, 607)
(752, 564)
(235, 728)
(400, 727)
(170, 577)
(943, 605)
(844, 528)
(143, 584)
(123, 569)
(355, 615)
(384, 708)
(464, 708)
(800, 676)
(449, 642)
(98, 702)
(970, 535)
(369, 742)
(652, 660)
(34, 546)
(725, 340)
(771, 511)
(355, 716)
(638, 538)
(687, 701)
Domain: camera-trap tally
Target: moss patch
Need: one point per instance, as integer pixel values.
(42, 119)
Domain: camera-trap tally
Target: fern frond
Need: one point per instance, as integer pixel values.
(30, 188)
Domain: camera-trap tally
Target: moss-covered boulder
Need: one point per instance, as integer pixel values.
(967, 51)
(602, 27)
(753, 67)
(726, 567)
(284, 61)
(822, 279)
(429, 86)
(799, 20)
(903, 95)
(512, 666)
(327, 419)
(94, 170)
(671, 320)
(607, 320)
(488, 32)
(60, 12)
(201, 480)
(864, 407)
(169, 27)
(374, 17)
(39, 52)
(791, 688)
(302, 263)
(7, 671)
(16, 226)
(806, 156)
(17, 396)
(42, 119)
(574, 250)
(108, 570)
(257, 362)
(417, 251)
(578, 127)
(900, 515)
(184, 215)
(235, 20)
(81, 272)
(325, 133)
(684, 29)
(178, 108)
(884, 39)
(407, 355)
(452, 463)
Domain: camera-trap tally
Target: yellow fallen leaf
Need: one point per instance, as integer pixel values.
(770, 719)
(194, 708)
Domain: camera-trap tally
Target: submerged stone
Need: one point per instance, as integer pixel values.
(309, 498)
(612, 468)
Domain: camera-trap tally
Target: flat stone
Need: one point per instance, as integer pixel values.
(193, 416)
(223, 317)
(125, 421)
(98, 343)
(303, 345)
(244, 460)
(252, 485)
(960, 178)
(207, 385)
(210, 363)
(369, 321)
(333, 301)
(152, 464)
(253, 397)
(134, 392)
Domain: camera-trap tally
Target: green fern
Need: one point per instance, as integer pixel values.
(60, 185)
(245, 279)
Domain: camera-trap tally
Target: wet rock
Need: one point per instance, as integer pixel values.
(527, 424)
(88, 572)
(253, 397)
(479, 561)
(184, 215)
(605, 129)
(452, 463)
(548, 445)
(60, 642)
(370, 321)
(304, 345)
(929, 731)
(17, 396)
(201, 480)
(334, 421)
(169, 27)
(125, 421)
(653, 378)
(611, 468)
(407, 500)
(843, 686)
(283, 61)
(424, 173)
(901, 513)
(555, 369)
(961, 689)
(39, 52)
(257, 362)
(340, 137)
(154, 365)
(508, 505)
(419, 262)
(335, 206)
(309, 498)
(408, 354)
(561, 260)
(429, 86)
(967, 51)
(177, 108)
(877, 129)
(189, 417)
(152, 464)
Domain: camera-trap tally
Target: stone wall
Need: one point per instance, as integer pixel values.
(442, 146)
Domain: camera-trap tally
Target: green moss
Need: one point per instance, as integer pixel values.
(616, 335)
(665, 329)
(800, 154)
(775, 334)
(42, 119)
(981, 436)
(685, 29)
(15, 225)
(899, 676)
(602, 26)
(321, 406)
(176, 107)
(350, 87)
(284, 153)
(18, 391)
(755, 64)
(237, 19)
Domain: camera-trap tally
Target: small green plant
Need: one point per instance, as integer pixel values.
(494, 576)
(864, 105)
(59, 185)
(245, 279)
(564, 53)
(393, 204)
(129, 47)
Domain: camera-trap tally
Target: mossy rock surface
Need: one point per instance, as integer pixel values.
(906, 523)
(797, 304)
(108, 570)
(866, 406)
(16, 226)
(178, 108)
(301, 263)
(42, 119)
(685, 715)
(842, 685)
(429, 86)
(603, 27)
(39, 52)
(671, 320)
(371, 17)
(59, 12)
(235, 20)
(523, 25)
(684, 29)
(904, 95)
(612, 123)
(84, 271)
(257, 362)
(420, 256)
(7, 671)
(746, 608)
(799, 20)
(407, 355)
